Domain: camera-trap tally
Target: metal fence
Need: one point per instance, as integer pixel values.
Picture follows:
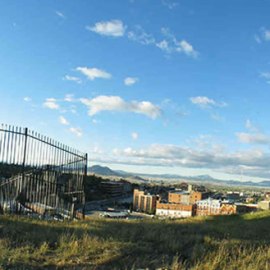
(38, 174)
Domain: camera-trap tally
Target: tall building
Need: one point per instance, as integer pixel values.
(145, 202)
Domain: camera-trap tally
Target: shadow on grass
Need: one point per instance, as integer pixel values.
(124, 244)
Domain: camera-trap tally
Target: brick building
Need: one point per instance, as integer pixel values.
(175, 210)
(186, 197)
(143, 201)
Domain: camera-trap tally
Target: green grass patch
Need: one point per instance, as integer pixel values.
(222, 242)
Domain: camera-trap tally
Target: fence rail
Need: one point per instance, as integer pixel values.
(36, 170)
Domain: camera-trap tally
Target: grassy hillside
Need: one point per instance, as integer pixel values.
(228, 242)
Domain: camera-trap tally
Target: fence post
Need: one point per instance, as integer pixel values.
(84, 180)
(24, 151)
(24, 157)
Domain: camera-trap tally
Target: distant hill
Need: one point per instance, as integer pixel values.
(106, 171)
(139, 177)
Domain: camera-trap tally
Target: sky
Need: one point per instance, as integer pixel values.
(149, 86)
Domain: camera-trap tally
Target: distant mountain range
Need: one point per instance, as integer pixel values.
(138, 177)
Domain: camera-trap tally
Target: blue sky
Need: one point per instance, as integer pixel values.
(158, 86)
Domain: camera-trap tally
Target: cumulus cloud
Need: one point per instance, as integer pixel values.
(256, 138)
(186, 48)
(172, 44)
(134, 135)
(72, 78)
(253, 136)
(51, 103)
(114, 28)
(93, 73)
(130, 81)
(169, 43)
(63, 120)
(205, 102)
(116, 103)
(253, 162)
(76, 131)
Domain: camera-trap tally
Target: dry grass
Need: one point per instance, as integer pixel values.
(228, 242)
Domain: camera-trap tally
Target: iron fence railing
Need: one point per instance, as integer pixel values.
(38, 173)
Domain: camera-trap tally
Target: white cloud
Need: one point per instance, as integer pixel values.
(114, 28)
(69, 98)
(172, 44)
(134, 135)
(63, 120)
(253, 138)
(27, 99)
(253, 162)
(130, 81)
(205, 102)
(60, 14)
(164, 45)
(187, 48)
(169, 45)
(76, 131)
(93, 73)
(72, 78)
(51, 103)
(116, 103)
(139, 35)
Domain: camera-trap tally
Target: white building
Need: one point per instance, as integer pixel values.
(208, 207)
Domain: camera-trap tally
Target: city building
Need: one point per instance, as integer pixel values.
(264, 205)
(175, 210)
(233, 196)
(186, 197)
(143, 201)
(178, 196)
(115, 188)
(208, 207)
